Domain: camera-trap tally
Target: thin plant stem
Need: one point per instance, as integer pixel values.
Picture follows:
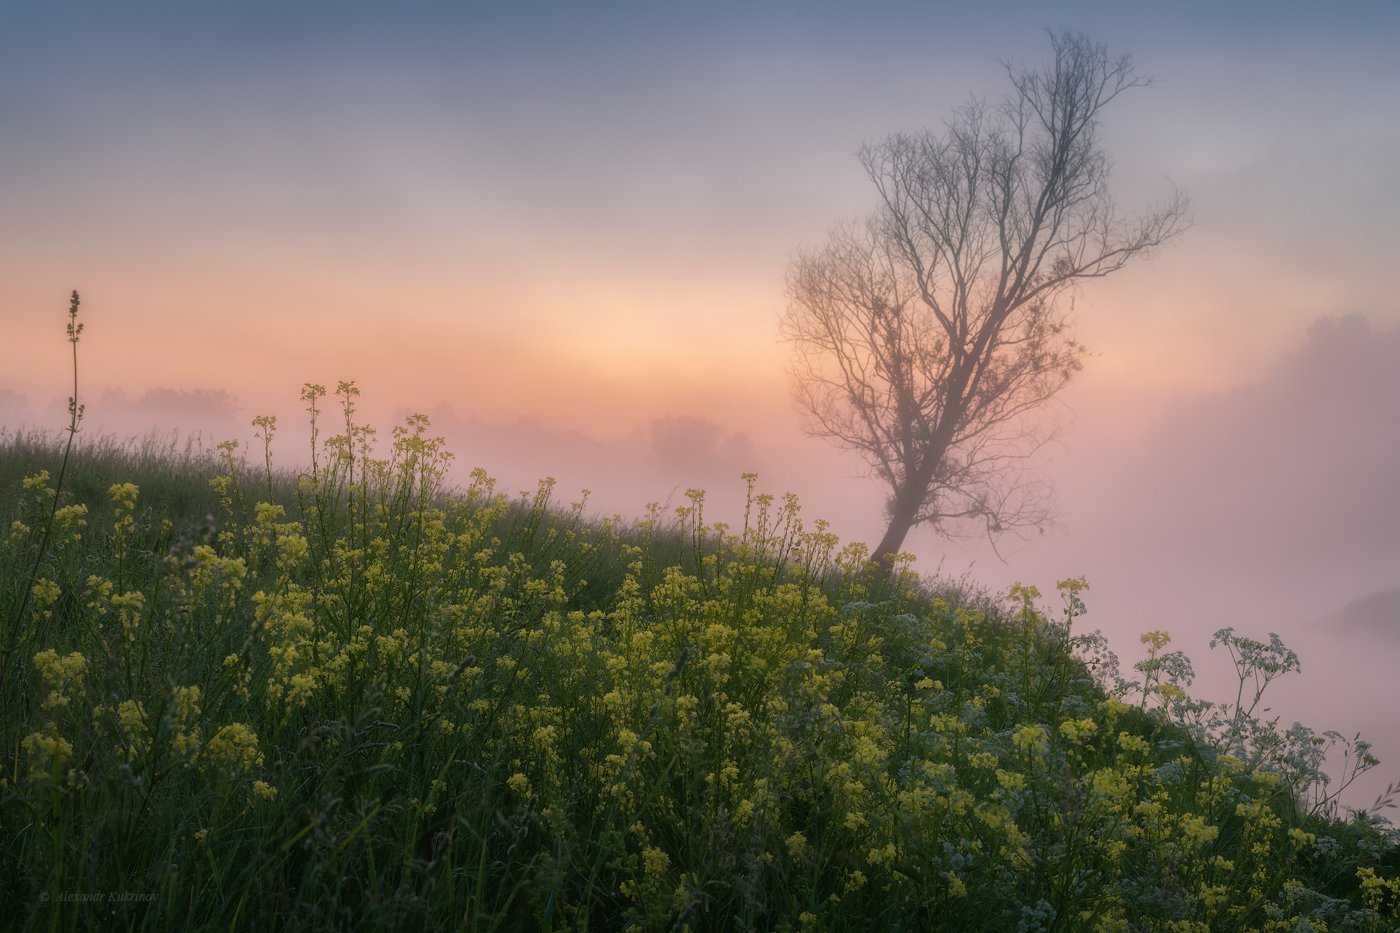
(75, 416)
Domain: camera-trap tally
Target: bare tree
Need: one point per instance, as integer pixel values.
(929, 336)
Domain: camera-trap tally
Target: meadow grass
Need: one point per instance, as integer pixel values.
(357, 698)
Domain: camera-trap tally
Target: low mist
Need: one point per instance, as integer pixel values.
(1273, 506)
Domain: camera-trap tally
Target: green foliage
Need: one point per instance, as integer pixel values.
(357, 699)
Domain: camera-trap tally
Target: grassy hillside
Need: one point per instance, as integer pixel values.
(353, 699)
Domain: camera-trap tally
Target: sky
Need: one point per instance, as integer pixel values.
(563, 229)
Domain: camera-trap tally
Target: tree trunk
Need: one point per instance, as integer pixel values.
(909, 497)
(901, 521)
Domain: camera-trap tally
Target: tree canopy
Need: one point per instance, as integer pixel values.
(929, 335)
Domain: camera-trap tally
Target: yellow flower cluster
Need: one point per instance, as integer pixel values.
(62, 676)
(135, 727)
(233, 748)
(1379, 894)
(1078, 730)
(123, 496)
(48, 753)
(1031, 739)
(45, 594)
(758, 730)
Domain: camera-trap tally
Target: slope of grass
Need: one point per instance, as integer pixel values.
(353, 699)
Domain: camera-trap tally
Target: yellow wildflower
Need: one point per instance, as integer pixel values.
(61, 675)
(45, 593)
(1197, 832)
(1031, 739)
(1133, 743)
(1156, 639)
(124, 495)
(1379, 894)
(132, 716)
(882, 855)
(235, 746)
(1078, 730)
(655, 861)
(48, 752)
(1011, 780)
